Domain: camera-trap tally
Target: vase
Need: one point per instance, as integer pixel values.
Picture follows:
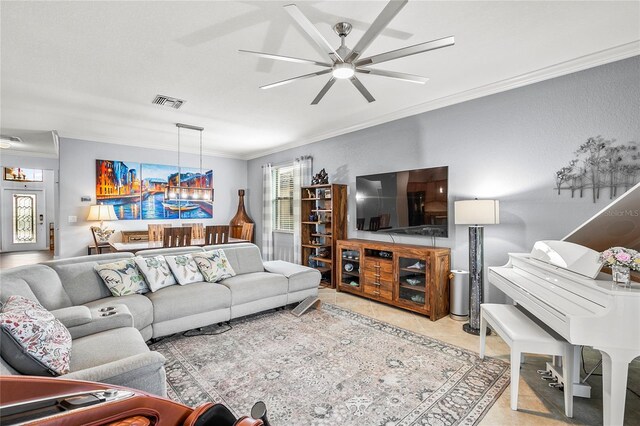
(621, 275)
(240, 218)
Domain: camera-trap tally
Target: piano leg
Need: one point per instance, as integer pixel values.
(615, 368)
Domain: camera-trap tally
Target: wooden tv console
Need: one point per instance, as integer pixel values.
(411, 277)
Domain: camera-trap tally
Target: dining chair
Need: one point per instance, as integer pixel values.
(374, 223)
(247, 231)
(177, 237)
(197, 230)
(100, 246)
(156, 231)
(216, 234)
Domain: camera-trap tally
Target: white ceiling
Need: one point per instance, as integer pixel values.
(90, 69)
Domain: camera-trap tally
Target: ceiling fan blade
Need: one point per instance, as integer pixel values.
(324, 91)
(362, 89)
(291, 80)
(407, 51)
(285, 58)
(395, 75)
(388, 13)
(311, 30)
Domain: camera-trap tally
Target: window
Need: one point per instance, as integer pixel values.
(283, 199)
(24, 218)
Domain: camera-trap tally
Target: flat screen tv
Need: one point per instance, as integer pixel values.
(407, 202)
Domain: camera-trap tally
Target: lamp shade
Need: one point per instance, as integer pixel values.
(102, 212)
(477, 212)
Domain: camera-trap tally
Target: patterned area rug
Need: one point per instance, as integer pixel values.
(333, 367)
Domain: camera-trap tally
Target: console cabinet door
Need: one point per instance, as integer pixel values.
(412, 274)
(349, 270)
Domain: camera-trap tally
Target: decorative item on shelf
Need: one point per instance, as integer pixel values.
(348, 267)
(323, 252)
(413, 281)
(417, 298)
(321, 178)
(312, 262)
(475, 213)
(310, 194)
(313, 218)
(418, 266)
(102, 212)
(327, 194)
(621, 261)
(386, 254)
(240, 218)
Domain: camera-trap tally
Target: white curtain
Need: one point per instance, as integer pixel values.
(267, 212)
(302, 171)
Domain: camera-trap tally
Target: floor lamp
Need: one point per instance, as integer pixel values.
(476, 213)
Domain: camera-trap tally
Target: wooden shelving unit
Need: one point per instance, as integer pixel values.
(324, 221)
(411, 277)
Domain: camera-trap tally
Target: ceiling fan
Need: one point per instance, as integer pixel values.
(346, 63)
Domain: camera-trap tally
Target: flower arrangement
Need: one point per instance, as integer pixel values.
(620, 256)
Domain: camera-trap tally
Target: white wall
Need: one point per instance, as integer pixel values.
(506, 146)
(78, 176)
(49, 185)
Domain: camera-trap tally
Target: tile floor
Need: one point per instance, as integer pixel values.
(538, 404)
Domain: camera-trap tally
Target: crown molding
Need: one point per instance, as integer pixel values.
(602, 57)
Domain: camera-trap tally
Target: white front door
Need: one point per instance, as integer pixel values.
(23, 220)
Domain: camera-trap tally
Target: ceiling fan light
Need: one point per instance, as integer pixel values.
(343, 70)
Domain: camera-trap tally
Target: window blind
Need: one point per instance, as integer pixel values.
(283, 199)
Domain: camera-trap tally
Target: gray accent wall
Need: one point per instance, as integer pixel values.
(78, 178)
(506, 146)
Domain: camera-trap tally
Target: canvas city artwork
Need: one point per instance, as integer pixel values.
(154, 191)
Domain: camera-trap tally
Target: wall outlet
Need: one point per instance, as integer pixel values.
(85, 198)
(73, 219)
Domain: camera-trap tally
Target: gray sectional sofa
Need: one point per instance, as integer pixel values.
(109, 333)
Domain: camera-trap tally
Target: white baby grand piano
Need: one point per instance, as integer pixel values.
(559, 283)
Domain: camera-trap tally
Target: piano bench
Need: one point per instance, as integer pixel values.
(525, 336)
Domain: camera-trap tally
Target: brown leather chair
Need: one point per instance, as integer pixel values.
(217, 234)
(52, 401)
(247, 231)
(177, 237)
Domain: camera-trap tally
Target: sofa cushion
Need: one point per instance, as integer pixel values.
(80, 280)
(156, 271)
(107, 346)
(184, 268)
(255, 286)
(214, 265)
(300, 277)
(244, 258)
(181, 301)
(34, 342)
(122, 277)
(36, 282)
(140, 307)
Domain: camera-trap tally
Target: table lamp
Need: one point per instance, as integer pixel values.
(102, 212)
(476, 213)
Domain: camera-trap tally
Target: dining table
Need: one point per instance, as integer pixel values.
(133, 247)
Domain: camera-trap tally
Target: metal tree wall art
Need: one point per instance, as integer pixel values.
(600, 163)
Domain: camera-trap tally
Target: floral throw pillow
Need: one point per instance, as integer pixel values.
(184, 268)
(156, 271)
(122, 277)
(34, 342)
(214, 265)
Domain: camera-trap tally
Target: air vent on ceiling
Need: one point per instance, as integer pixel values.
(168, 101)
